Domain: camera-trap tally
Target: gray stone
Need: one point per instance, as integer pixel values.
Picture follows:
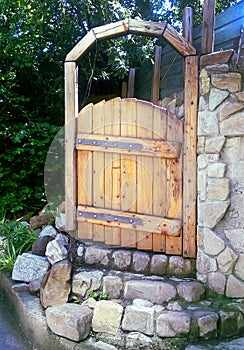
(60, 222)
(212, 244)
(218, 189)
(40, 245)
(90, 302)
(207, 323)
(113, 285)
(97, 255)
(227, 81)
(62, 239)
(56, 251)
(85, 281)
(201, 184)
(214, 144)
(35, 284)
(202, 161)
(208, 123)
(216, 97)
(29, 266)
(21, 287)
(71, 321)
(190, 291)
(48, 230)
(234, 288)
(216, 170)
(122, 259)
(55, 287)
(137, 340)
(229, 108)
(142, 303)
(204, 82)
(236, 238)
(200, 146)
(173, 324)
(140, 261)
(217, 282)
(226, 261)
(139, 319)
(101, 345)
(210, 213)
(179, 266)
(174, 306)
(233, 126)
(80, 250)
(205, 263)
(239, 267)
(154, 291)
(107, 317)
(159, 263)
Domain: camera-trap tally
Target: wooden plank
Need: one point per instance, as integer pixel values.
(111, 30)
(208, 26)
(141, 222)
(124, 89)
(129, 145)
(80, 49)
(98, 168)
(128, 170)
(71, 110)
(84, 178)
(159, 177)
(131, 82)
(178, 42)
(142, 27)
(144, 172)
(174, 185)
(189, 161)
(156, 74)
(219, 57)
(187, 24)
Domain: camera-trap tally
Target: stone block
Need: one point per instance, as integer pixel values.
(227, 81)
(233, 126)
(40, 220)
(140, 261)
(200, 145)
(208, 123)
(142, 303)
(207, 323)
(202, 161)
(85, 281)
(40, 245)
(71, 321)
(240, 96)
(29, 266)
(190, 291)
(179, 266)
(229, 108)
(107, 317)
(137, 340)
(155, 291)
(48, 230)
(113, 285)
(204, 82)
(201, 184)
(217, 282)
(159, 263)
(234, 288)
(226, 261)
(236, 238)
(95, 255)
(173, 324)
(210, 213)
(216, 170)
(218, 189)
(101, 345)
(212, 244)
(229, 323)
(216, 97)
(205, 263)
(239, 267)
(56, 250)
(122, 259)
(214, 144)
(139, 319)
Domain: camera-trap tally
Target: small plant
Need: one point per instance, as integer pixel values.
(97, 295)
(15, 239)
(75, 299)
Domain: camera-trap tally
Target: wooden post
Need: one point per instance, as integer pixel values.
(156, 75)
(208, 26)
(187, 24)
(189, 156)
(131, 82)
(71, 111)
(124, 89)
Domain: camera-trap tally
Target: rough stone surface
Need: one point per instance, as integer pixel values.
(40, 220)
(40, 245)
(101, 345)
(56, 251)
(217, 282)
(202, 182)
(137, 340)
(218, 189)
(71, 321)
(208, 123)
(85, 281)
(179, 266)
(233, 126)
(104, 321)
(173, 324)
(190, 291)
(60, 221)
(122, 259)
(207, 322)
(113, 285)
(210, 213)
(97, 255)
(35, 284)
(235, 236)
(226, 260)
(212, 244)
(216, 170)
(216, 97)
(139, 319)
(29, 266)
(55, 288)
(239, 267)
(229, 323)
(159, 264)
(140, 261)
(205, 263)
(234, 288)
(227, 81)
(214, 144)
(229, 108)
(204, 82)
(154, 291)
(48, 230)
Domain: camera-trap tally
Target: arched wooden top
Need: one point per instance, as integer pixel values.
(131, 26)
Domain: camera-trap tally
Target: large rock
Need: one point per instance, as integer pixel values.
(155, 291)
(234, 287)
(113, 286)
(107, 317)
(233, 126)
(138, 318)
(97, 255)
(173, 324)
(227, 81)
(190, 291)
(140, 261)
(207, 323)
(56, 287)
(40, 245)
(29, 267)
(57, 249)
(210, 213)
(71, 321)
(159, 263)
(122, 259)
(40, 220)
(85, 281)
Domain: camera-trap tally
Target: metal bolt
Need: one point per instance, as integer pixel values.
(94, 142)
(115, 219)
(130, 146)
(94, 215)
(131, 221)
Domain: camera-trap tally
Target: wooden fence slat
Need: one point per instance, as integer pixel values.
(131, 82)
(208, 26)
(187, 24)
(156, 75)
(190, 152)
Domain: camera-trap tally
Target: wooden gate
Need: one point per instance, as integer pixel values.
(129, 170)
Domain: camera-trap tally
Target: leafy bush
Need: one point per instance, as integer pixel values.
(15, 239)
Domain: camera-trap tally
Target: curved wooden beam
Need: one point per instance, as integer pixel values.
(131, 26)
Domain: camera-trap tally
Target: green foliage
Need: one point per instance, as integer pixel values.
(97, 295)
(15, 239)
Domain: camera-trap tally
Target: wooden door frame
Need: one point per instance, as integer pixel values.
(152, 29)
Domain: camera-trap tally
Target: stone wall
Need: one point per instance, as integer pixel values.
(220, 258)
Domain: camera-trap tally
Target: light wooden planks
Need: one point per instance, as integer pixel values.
(71, 111)
(190, 151)
(208, 26)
